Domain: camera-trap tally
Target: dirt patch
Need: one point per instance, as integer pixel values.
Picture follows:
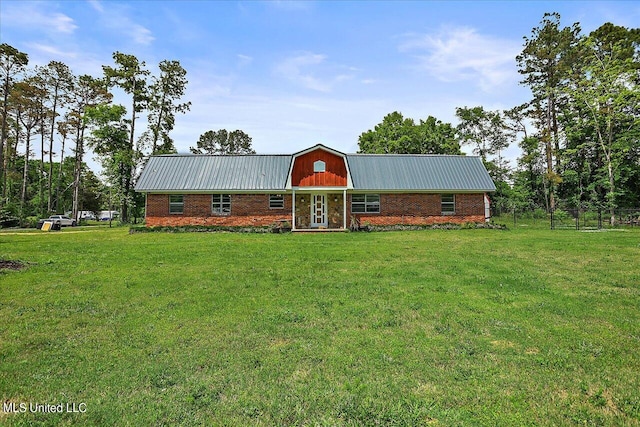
(11, 265)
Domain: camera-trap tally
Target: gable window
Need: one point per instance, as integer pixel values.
(319, 166)
(221, 204)
(276, 201)
(365, 203)
(448, 204)
(176, 203)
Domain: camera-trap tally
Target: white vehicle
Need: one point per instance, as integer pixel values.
(87, 215)
(107, 215)
(62, 220)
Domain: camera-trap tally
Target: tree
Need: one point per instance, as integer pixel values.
(88, 93)
(608, 91)
(397, 135)
(224, 143)
(25, 100)
(12, 62)
(110, 141)
(58, 83)
(164, 92)
(545, 61)
(130, 75)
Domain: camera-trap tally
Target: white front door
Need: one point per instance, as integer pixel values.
(318, 211)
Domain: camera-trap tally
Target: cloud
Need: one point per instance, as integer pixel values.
(52, 51)
(312, 71)
(33, 16)
(116, 19)
(244, 60)
(455, 54)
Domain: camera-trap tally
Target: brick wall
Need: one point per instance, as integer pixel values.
(253, 210)
(246, 210)
(419, 209)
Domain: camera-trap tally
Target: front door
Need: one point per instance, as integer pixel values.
(318, 211)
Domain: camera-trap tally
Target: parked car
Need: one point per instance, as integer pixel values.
(87, 215)
(59, 220)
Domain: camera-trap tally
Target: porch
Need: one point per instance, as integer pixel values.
(319, 210)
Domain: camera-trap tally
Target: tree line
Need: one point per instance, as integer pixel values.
(579, 134)
(53, 109)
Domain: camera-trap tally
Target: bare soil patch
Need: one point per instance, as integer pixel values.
(7, 264)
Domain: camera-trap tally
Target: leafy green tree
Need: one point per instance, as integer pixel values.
(608, 91)
(164, 93)
(57, 79)
(130, 75)
(25, 100)
(88, 93)
(224, 143)
(110, 141)
(12, 63)
(397, 135)
(546, 59)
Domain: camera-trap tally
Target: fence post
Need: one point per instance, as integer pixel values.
(599, 219)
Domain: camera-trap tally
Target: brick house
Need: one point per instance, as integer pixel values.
(317, 188)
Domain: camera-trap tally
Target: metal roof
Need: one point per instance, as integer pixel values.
(418, 172)
(373, 172)
(211, 173)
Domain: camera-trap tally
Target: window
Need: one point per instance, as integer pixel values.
(319, 166)
(221, 204)
(365, 203)
(276, 201)
(448, 204)
(176, 203)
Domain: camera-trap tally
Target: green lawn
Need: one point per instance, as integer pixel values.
(466, 327)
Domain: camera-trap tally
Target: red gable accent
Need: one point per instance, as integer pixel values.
(334, 176)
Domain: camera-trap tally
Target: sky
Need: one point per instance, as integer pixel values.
(292, 74)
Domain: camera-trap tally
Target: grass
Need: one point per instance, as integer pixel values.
(468, 327)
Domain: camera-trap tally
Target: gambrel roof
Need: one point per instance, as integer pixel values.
(263, 173)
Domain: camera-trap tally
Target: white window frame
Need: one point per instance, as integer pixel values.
(174, 204)
(319, 166)
(222, 206)
(370, 204)
(276, 201)
(448, 207)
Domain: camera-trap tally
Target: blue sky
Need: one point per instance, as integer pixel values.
(293, 74)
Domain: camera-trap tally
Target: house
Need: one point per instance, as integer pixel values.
(317, 188)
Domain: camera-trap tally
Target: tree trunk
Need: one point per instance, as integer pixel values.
(59, 183)
(25, 174)
(3, 138)
(78, 171)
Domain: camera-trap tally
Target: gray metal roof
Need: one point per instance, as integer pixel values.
(374, 172)
(418, 172)
(210, 173)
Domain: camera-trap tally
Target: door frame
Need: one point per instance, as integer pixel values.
(313, 219)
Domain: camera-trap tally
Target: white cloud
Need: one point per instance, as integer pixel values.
(52, 51)
(97, 5)
(34, 16)
(116, 18)
(244, 60)
(455, 54)
(312, 71)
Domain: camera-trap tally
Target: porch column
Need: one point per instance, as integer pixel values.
(293, 210)
(344, 209)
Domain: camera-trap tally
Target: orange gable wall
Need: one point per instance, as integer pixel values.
(303, 175)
